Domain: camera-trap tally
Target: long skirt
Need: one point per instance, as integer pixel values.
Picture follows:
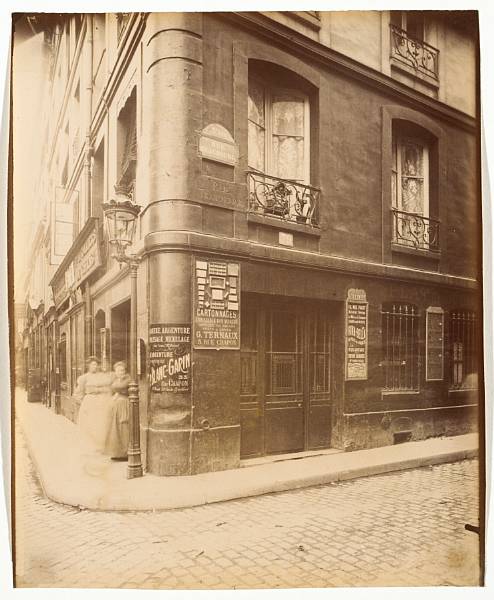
(95, 415)
(117, 438)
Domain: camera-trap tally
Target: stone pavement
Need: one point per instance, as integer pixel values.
(405, 528)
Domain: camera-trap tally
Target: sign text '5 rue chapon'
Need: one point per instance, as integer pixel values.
(216, 304)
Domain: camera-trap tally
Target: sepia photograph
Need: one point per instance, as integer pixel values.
(246, 299)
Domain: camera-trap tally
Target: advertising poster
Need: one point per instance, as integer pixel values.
(216, 304)
(169, 358)
(356, 335)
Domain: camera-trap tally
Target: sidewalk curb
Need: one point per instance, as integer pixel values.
(71, 473)
(70, 482)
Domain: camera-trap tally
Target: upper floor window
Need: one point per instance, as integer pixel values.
(410, 176)
(410, 21)
(279, 142)
(410, 197)
(279, 152)
(409, 48)
(122, 20)
(127, 143)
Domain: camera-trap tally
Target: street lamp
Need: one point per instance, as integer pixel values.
(121, 216)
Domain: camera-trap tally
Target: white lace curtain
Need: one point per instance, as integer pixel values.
(277, 131)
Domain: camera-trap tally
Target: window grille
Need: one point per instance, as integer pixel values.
(463, 355)
(400, 346)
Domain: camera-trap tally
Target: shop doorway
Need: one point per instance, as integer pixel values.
(120, 333)
(287, 372)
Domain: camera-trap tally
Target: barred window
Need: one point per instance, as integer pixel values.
(463, 355)
(400, 348)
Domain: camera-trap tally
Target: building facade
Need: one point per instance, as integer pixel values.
(309, 230)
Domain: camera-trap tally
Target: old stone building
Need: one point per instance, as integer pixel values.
(308, 235)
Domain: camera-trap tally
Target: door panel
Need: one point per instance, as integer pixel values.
(286, 379)
(251, 408)
(320, 342)
(284, 404)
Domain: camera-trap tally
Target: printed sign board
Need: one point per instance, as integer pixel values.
(169, 357)
(434, 344)
(356, 342)
(216, 304)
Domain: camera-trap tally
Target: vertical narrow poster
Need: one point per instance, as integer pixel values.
(169, 357)
(356, 343)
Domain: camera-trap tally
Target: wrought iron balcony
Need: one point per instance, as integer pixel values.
(283, 199)
(415, 231)
(418, 55)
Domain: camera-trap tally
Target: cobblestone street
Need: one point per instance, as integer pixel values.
(405, 528)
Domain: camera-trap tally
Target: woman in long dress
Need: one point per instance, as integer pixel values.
(117, 440)
(94, 389)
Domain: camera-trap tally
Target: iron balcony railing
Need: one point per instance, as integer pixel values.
(421, 56)
(415, 231)
(283, 199)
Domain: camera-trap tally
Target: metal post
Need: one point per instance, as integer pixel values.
(134, 467)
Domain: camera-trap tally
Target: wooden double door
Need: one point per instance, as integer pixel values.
(286, 387)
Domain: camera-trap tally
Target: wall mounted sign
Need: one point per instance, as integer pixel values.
(434, 344)
(169, 358)
(216, 304)
(216, 143)
(356, 342)
(82, 259)
(87, 258)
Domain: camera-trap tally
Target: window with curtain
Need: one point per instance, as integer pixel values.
(410, 203)
(278, 131)
(410, 176)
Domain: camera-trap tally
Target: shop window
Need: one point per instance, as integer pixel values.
(279, 152)
(101, 335)
(127, 143)
(413, 225)
(463, 350)
(76, 347)
(400, 346)
(62, 358)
